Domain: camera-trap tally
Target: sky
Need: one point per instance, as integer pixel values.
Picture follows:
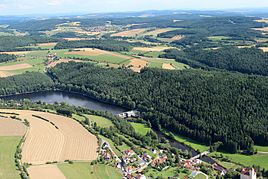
(25, 7)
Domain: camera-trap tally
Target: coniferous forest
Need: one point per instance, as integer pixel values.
(206, 106)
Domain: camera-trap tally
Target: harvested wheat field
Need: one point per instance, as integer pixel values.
(264, 29)
(57, 138)
(151, 49)
(4, 74)
(15, 67)
(158, 31)
(45, 172)
(262, 20)
(265, 49)
(16, 53)
(129, 33)
(11, 127)
(177, 37)
(54, 63)
(137, 64)
(46, 44)
(94, 52)
(76, 39)
(168, 66)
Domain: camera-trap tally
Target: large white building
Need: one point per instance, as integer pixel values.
(248, 173)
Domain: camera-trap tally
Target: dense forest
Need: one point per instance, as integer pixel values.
(206, 106)
(6, 58)
(110, 45)
(244, 60)
(11, 43)
(28, 82)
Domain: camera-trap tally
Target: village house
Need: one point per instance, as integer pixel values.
(159, 160)
(248, 173)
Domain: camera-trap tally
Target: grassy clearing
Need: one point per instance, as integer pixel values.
(101, 121)
(141, 129)
(153, 54)
(79, 118)
(193, 144)
(8, 147)
(158, 63)
(258, 159)
(87, 171)
(261, 148)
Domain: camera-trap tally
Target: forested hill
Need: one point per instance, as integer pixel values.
(28, 82)
(243, 60)
(206, 106)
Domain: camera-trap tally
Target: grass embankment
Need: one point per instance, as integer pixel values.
(8, 146)
(101, 121)
(141, 129)
(190, 142)
(87, 171)
(258, 159)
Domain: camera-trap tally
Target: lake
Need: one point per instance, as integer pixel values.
(73, 99)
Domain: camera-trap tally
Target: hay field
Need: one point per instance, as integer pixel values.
(15, 67)
(159, 31)
(65, 140)
(137, 64)
(45, 172)
(265, 49)
(176, 38)
(11, 127)
(151, 49)
(46, 44)
(4, 74)
(168, 66)
(262, 20)
(129, 33)
(54, 63)
(16, 53)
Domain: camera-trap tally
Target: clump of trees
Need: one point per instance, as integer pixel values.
(6, 58)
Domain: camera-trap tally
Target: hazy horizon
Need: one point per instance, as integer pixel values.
(26, 7)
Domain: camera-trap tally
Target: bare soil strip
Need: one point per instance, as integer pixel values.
(11, 127)
(45, 172)
(168, 66)
(15, 67)
(47, 143)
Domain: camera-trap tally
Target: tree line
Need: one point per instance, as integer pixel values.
(7, 57)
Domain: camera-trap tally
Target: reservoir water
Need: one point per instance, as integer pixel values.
(73, 99)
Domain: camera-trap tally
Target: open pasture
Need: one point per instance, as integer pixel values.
(87, 171)
(57, 138)
(45, 172)
(8, 146)
(97, 55)
(15, 67)
(130, 33)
